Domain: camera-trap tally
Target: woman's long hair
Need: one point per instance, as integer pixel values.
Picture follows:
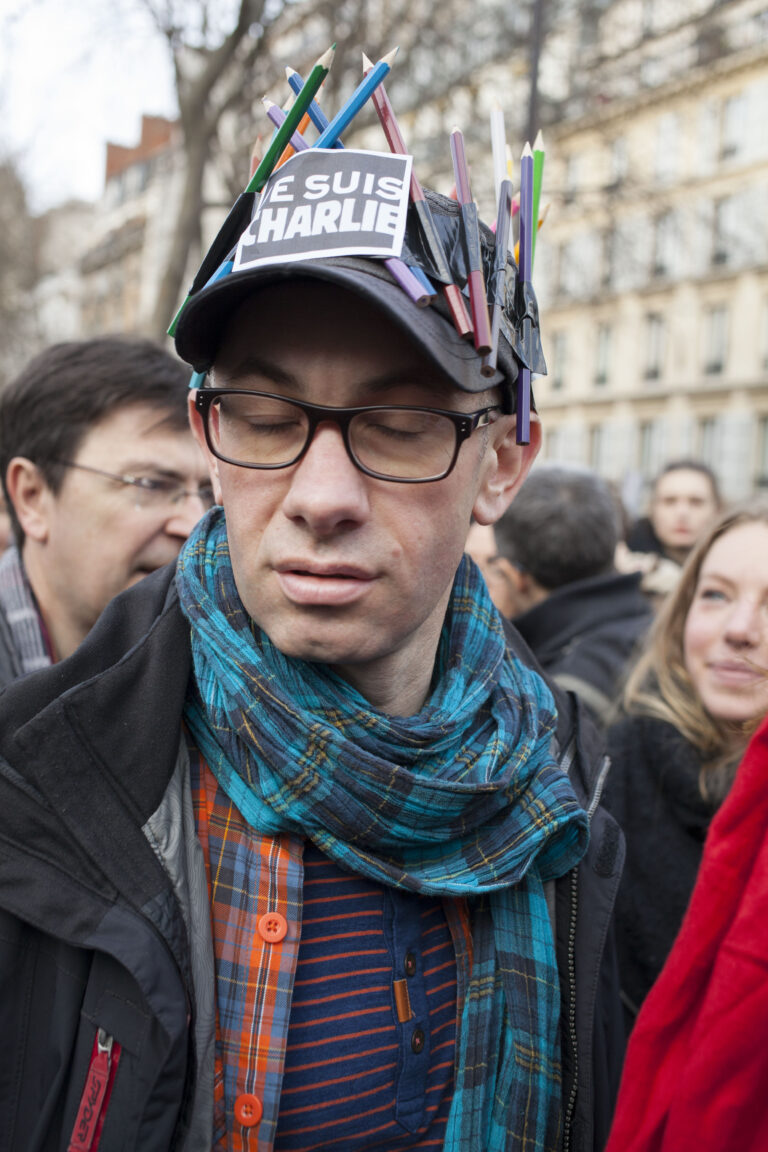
(659, 684)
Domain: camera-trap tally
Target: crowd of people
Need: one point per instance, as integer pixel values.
(324, 824)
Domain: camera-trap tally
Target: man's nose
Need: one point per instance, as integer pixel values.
(327, 491)
(186, 511)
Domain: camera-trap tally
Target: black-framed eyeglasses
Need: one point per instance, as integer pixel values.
(397, 442)
(151, 491)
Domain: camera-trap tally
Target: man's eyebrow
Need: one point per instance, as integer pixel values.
(257, 366)
(138, 466)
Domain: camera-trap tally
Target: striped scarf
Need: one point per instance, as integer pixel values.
(462, 799)
(17, 604)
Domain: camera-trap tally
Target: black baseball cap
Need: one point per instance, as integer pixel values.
(203, 320)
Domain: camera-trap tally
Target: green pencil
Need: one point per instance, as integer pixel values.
(275, 150)
(291, 122)
(538, 175)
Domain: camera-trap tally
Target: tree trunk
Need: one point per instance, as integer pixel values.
(185, 236)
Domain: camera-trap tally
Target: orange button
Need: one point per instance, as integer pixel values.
(272, 927)
(248, 1109)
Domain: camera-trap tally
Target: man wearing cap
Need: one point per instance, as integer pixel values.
(295, 859)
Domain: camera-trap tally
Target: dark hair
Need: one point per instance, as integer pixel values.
(49, 408)
(563, 525)
(685, 465)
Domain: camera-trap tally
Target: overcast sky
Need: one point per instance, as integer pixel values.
(74, 74)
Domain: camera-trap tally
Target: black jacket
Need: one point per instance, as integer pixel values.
(585, 634)
(654, 793)
(94, 931)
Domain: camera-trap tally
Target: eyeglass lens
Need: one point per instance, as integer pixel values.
(395, 442)
(167, 495)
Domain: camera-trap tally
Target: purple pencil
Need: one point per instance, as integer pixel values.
(523, 434)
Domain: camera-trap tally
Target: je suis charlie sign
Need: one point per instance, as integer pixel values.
(329, 202)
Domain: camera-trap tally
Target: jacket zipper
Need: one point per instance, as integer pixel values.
(571, 1103)
(98, 1086)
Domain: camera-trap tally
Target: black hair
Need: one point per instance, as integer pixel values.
(563, 525)
(61, 394)
(685, 465)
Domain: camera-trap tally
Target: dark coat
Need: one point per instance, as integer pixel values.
(653, 791)
(585, 634)
(92, 930)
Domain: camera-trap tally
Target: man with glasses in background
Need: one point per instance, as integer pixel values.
(103, 484)
(329, 862)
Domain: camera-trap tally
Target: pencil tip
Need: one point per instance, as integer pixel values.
(267, 102)
(326, 59)
(290, 71)
(390, 56)
(538, 144)
(527, 150)
(455, 129)
(367, 64)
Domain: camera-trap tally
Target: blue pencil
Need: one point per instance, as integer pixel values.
(363, 92)
(316, 114)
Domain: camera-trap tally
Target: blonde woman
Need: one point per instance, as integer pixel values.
(695, 696)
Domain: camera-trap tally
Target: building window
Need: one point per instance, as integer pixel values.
(722, 231)
(596, 447)
(648, 439)
(572, 176)
(667, 148)
(706, 439)
(619, 161)
(654, 345)
(607, 258)
(761, 469)
(603, 354)
(715, 339)
(732, 127)
(552, 444)
(664, 240)
(559, 360)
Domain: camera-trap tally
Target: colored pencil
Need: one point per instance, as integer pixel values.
(538, 176)
(240, 213)
(471, 225)
(361, 94)
(498, 150)
(321, 122)
(503, 228)
(297, 142)
(397, 145)
(315, 112)
(291, 122)
(420, 291)
(290, 149)
(523, 434)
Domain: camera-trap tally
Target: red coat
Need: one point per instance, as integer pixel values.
(696, 1072)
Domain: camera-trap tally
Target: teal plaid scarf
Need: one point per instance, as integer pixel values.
(462, 799)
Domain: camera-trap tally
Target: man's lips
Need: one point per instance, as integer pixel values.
(313, 583)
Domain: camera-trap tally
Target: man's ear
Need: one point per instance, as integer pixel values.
(31, 497)
(198, 431)
(504, 468)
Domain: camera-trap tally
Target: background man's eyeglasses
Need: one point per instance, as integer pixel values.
(150, 491)
(401, 443)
